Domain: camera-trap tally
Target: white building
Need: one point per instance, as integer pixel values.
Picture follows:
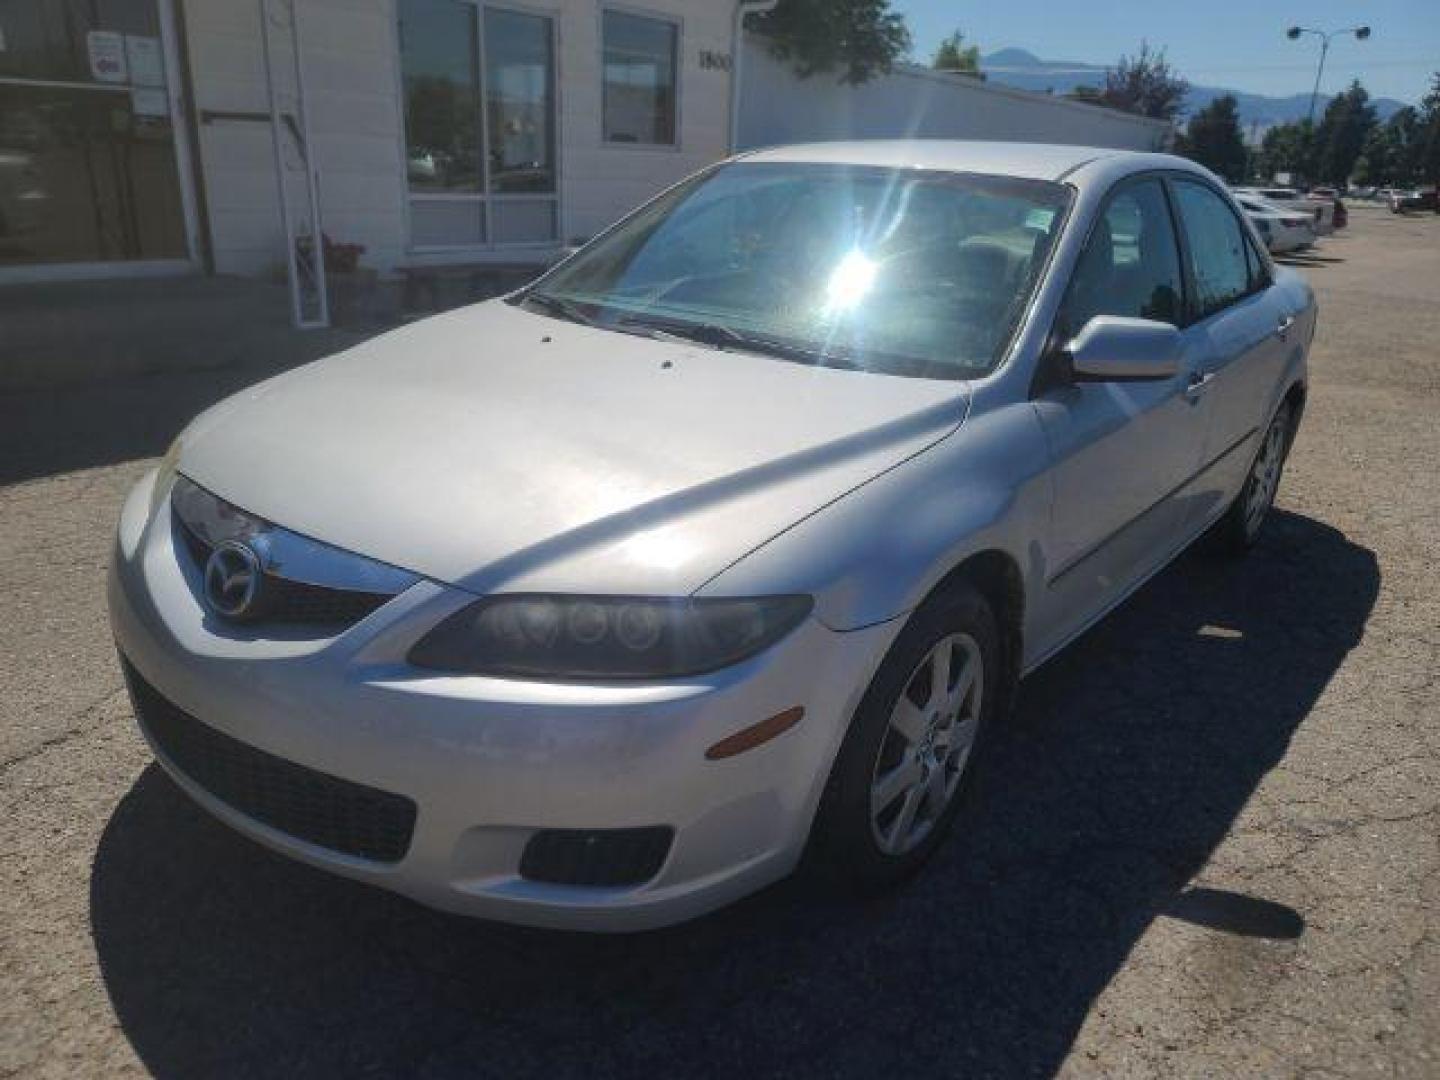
(921, 103)
(142, 136)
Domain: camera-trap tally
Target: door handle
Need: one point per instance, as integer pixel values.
(1283, 327)
(1198, 384)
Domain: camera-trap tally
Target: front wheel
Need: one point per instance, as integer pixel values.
(913, 744)
(1238, 530)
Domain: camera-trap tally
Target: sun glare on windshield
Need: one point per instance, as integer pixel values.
(849, 283)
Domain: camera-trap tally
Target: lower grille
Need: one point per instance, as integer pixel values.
(596, 856)
(313, 806)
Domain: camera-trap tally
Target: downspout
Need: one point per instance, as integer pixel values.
(737, 52)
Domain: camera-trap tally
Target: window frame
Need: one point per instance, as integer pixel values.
(676, 23)
(1255, 284)
(1116, 190)
(441, 254)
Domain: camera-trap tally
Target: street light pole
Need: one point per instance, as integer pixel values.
(1360, 32)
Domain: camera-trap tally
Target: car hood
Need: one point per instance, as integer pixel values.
(497, 449)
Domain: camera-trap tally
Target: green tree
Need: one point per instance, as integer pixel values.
(859, 38)
(1286, 148)
(1379, 160)
(954, 55)
(1145, 84)
(1213, 139)
(1427, 149)
(1342, 134)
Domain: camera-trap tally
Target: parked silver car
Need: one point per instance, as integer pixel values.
(726, 540)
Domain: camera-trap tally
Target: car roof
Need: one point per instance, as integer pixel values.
(1034, 161)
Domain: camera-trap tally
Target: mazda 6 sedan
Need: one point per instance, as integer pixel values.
(721, 546)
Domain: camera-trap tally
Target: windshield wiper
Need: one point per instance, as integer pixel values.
(727, 337)
(560, 307)
(702, 332)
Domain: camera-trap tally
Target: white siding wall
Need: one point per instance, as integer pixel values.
(778, 107)
(353, 86)
(604, 181)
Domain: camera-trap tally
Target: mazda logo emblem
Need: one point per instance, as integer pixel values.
(232, 580)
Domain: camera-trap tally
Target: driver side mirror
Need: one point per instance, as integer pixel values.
(1111, 348)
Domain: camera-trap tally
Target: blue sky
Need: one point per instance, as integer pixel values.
(1235, 43)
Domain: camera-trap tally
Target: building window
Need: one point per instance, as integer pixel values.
(441, 67)
(639, 80)
(479, 86)
(520, 102)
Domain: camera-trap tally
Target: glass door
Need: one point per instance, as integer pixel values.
(88, 170)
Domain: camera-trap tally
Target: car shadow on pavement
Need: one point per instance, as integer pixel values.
(1125, 765)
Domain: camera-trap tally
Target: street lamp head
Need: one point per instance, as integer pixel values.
(1293, 33)
(1362, 32)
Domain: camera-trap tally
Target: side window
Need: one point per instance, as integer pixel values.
(1219, 261)
(1259, 274)
(1130, 265)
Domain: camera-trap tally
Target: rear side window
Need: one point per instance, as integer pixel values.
(1219, 262)
(1130, 265)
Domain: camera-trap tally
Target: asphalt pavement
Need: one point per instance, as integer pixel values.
(1207, 845)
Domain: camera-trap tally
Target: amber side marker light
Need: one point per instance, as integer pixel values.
(756, 734)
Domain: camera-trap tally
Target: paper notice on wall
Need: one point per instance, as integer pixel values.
(149, 101)
(147, 68)
(107, 56)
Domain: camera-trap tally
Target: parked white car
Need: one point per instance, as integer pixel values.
(1321, 211)
(726, 540)
(1282, 230)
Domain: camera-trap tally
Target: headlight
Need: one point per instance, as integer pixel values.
(164, 476)
(605, 637)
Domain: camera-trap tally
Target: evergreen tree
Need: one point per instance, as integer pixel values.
(1213, 139)
(1349, 119)
(1427, 149)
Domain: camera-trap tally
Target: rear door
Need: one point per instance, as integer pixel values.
(1122, 451)
(1237, 330)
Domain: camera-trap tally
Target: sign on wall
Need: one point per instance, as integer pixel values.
(710, 60)
(142, 54)
(106, 49)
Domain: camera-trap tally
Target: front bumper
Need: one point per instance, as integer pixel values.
(490, 762)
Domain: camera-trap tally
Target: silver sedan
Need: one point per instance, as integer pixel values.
(724, 542)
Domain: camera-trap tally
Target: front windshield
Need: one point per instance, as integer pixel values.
(901, 271)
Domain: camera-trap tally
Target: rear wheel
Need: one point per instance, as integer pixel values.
(1238, 530)
(913, 744)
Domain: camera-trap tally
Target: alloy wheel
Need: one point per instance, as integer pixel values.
(927, 744)
(1265, 475)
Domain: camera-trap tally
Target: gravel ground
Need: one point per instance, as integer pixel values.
(1208, 845)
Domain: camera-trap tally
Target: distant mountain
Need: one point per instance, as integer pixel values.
(1026, 71)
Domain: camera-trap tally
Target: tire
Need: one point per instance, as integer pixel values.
(1244, 520)
(848, 843)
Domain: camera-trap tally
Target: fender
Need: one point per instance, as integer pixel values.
(871, 558)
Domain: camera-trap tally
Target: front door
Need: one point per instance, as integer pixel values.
(1122, 451)
(88, 154)
(1240, 335)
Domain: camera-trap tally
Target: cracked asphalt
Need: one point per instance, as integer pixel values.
(1208, 843)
